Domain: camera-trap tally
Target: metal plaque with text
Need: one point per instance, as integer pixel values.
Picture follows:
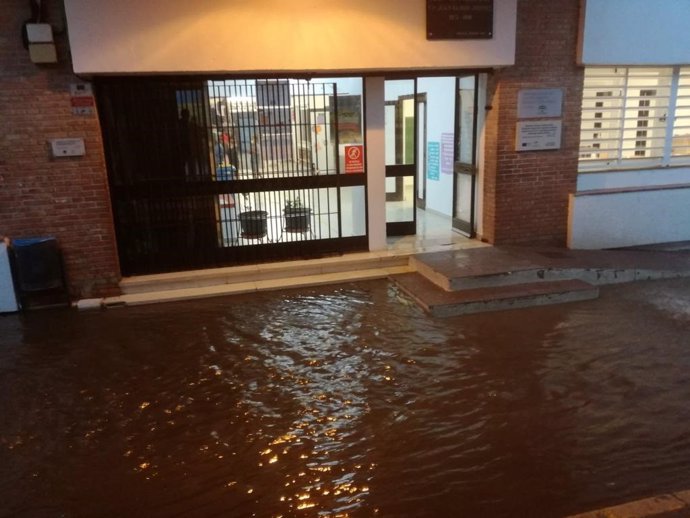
(459, 19)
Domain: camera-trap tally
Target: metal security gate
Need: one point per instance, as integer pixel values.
(209, 173)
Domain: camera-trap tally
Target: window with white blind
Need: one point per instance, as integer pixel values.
(635, 117)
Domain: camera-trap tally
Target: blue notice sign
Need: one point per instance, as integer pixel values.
(433, 160)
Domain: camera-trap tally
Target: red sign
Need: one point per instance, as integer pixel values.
(354, 159)
(80, 102)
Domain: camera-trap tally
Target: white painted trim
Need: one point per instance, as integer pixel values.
(376, 161)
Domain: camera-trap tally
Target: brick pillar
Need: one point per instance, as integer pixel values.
(526, 194)
(43, 196)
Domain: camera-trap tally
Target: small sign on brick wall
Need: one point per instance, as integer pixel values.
(65, 147)
(81, 99)
(543, 106)
(538, 135)
(540, 102)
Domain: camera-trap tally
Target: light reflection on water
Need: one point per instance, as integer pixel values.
(345, 401)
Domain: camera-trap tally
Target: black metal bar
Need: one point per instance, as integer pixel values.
(176, 203)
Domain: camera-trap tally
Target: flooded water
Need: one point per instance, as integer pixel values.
(345, 401)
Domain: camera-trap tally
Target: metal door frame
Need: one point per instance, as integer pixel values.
(403, 228)
(465, 227)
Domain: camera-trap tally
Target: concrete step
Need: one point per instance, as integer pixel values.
(479, 269)
(491, 266)
(441, 303)
(263, 273)
(231, 281)
(234, 288)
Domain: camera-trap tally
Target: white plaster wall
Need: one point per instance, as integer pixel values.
(376, 162)
(629, 218)
(440, 119)
(134, 36)
(635, 32)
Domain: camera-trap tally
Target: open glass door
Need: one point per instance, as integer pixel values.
(421, 151)
(465, 168)
(401, 151)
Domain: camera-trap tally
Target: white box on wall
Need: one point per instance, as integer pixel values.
(39, 33)
(8, 300)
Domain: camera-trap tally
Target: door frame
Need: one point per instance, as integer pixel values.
(400, 171)
(420, 202)
(466, 227)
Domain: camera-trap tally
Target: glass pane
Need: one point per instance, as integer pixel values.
(353, 210)
(421, 151)
(466, 120)
(400, 115)
(463, 195)
(350, 131)
(401, 207)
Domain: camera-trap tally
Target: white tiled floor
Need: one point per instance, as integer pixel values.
(433, 231)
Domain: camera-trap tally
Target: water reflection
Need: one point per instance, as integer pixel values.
(346, 402)
(309, 398)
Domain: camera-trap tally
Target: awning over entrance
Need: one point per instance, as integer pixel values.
(268, 36)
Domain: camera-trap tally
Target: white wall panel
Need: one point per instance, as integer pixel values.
(635, 32)
(629, 218)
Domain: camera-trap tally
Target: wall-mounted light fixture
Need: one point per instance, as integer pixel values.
(41, 44)
(37, 35)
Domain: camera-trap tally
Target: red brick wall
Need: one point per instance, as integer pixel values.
(41, 196)
(526, 194)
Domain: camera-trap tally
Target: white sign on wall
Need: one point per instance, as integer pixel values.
(67, 147)
(540, 102)
(538, 135)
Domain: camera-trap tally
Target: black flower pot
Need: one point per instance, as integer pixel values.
(297, 219)
(254, 224)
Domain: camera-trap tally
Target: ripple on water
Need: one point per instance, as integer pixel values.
(345, 402)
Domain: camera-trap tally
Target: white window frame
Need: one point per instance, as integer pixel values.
(623, 95)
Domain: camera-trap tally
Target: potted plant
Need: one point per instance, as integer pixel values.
(297, 216)
(254, 223)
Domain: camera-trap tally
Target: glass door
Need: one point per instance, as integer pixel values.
(421, 151)
(401, 156)
(465, 168)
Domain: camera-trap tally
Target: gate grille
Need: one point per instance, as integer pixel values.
(221, 172)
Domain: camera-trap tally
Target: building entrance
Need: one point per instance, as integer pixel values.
(430, 151)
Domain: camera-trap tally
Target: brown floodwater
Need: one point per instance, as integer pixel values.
(345, 401)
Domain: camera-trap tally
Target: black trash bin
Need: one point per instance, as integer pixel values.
(38, 272)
